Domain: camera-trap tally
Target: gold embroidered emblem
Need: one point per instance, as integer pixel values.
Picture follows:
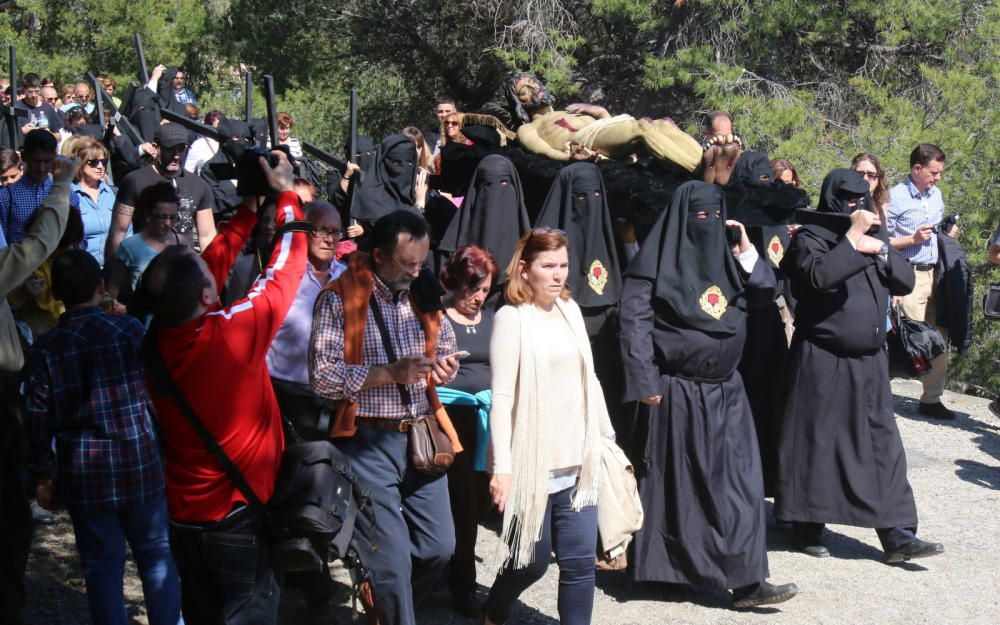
(775, 250)
(714, 302)
(597, 277)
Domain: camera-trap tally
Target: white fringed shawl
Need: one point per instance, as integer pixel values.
(528, 496)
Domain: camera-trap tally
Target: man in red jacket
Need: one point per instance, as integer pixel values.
(216, 356)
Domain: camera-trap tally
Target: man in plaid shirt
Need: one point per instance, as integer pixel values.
(416, 532)
(85, 388)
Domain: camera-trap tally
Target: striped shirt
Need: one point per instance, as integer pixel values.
(908, 210)
(332, 377)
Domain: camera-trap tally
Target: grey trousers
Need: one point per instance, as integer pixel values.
(416, 536)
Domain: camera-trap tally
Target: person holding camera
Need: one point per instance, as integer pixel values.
(215, 357)
(916, 207)
(683, 327)
(840, 456)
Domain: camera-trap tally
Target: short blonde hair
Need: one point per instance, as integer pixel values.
(86, 149)
(534, 242)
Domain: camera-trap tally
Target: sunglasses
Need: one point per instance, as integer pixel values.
(95, 162)
(548, 230)
(452, 124)
(869, 175)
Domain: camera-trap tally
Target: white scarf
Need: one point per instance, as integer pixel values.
(526, 502)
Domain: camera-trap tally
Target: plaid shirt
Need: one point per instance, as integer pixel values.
(18, 203)
(85, 388)
(332, 377)
(908, 210)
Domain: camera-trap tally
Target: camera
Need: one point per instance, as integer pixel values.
(945, 225)
(250, 178)
(734, 235)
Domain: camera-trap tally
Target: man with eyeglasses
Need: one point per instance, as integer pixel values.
(196, 223)
(40, 114)
(915, 210)
(288, 365)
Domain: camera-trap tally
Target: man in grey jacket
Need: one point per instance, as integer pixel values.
(17, 262)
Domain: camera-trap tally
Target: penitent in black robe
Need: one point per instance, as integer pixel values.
(700, 479)
(841, 459)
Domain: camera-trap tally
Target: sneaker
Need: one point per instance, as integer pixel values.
(40, 514)
(936, 410)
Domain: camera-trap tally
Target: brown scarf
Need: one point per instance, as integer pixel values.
(354, 287)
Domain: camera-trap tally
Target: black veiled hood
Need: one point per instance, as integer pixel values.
(237, 137)
(492, 215)
(754, 199)
(578, 203)
(388, 182)
(832, 218)
(691, 264)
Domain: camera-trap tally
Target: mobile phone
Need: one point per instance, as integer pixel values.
(461, 354)
(734, 235)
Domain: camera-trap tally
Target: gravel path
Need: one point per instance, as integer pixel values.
(954, 469)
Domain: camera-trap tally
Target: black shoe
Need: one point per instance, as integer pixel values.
(915, 549)
(936, 411)
(995, 408)
(816, 551)
(763, 593)
(468, 606)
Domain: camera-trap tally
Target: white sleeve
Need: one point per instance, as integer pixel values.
(748, 259)
(505, 346)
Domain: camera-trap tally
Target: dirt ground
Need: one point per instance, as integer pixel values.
(954, 469)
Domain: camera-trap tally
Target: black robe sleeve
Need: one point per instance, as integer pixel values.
(896, 273)
(760, 284)
(642, 376)
(811, 262)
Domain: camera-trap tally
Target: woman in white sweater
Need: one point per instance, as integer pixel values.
(546, 421)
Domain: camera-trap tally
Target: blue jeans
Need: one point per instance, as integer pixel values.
(226, 572)
(100, 539)
(573, 536)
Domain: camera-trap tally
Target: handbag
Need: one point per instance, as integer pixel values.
(991, 303)
(431, 451)
(912, 345)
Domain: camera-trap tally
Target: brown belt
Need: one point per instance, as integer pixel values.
(393, 425)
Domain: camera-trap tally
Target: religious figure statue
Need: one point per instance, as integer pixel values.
(587, 131)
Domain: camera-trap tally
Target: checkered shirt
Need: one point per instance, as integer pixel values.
(332, 377)
(85, 388)
(908, 210)
(18, 203)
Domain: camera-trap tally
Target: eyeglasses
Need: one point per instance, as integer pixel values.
(452, 124)
(868, 175)
(95, 162)
(164, 218)
(322, 233)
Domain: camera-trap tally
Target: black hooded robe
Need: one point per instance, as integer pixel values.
(578, 204)
(492, 215)
(841, 459)
(765, 207)
(388, 182)
(683, 318)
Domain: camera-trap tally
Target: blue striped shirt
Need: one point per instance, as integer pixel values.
(908, 210)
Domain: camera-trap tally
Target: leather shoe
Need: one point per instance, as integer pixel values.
(816, 551)
(468, 606)
(763, 593)
(915, 549)
(936, 410)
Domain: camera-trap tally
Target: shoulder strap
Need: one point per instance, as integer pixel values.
(383, 331)
(162, 377)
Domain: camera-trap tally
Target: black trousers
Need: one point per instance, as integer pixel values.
(468, 491)
(15, 519)
(892, 538)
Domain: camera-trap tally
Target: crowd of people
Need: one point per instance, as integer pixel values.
(158, 317)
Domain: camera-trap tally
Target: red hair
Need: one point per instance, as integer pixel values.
(467, 268)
